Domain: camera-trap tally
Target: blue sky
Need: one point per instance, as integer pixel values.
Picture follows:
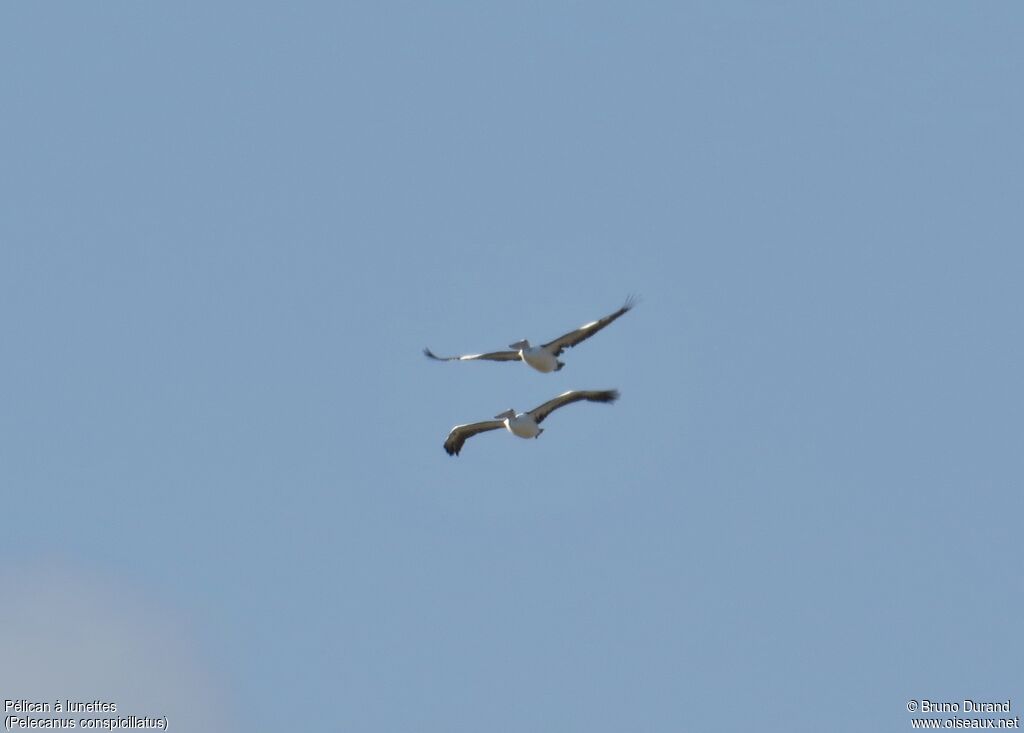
(229, 229)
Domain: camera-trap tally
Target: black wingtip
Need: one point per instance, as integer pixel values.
(430, 354)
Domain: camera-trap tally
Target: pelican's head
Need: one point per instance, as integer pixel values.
(519, 345)
(507, 414)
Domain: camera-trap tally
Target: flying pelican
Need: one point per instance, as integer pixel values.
(524, 424)
(543, 358)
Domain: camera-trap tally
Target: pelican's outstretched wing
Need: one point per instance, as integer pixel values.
(459, 434)
(582, 333)
(492, 356)
(573, 395)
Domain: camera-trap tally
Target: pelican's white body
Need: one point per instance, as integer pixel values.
(522, 425)
(539, 358)
(536, 356)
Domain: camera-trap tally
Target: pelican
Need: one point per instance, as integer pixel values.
(524, 424)
(543, 358)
